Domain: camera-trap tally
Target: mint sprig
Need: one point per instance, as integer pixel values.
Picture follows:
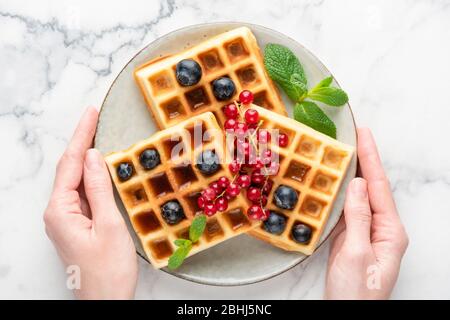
(286, 70)
(197, 227)
(185, 245)
(177, 258)
(309, 113)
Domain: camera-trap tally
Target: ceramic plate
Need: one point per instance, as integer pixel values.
(124, 120)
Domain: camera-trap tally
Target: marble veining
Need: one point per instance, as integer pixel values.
(56, 57)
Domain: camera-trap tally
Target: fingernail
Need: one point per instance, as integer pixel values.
(358, 187)
(93, 159)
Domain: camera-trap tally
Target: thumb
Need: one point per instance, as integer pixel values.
(98, 187)
(358, 216)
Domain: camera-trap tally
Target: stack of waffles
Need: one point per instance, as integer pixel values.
(313, 164)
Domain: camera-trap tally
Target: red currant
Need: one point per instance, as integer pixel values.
(257, 177)
(223, 182)
(222, 204)
(263, 200)
(258, 163)
(234, 166)
(201, 202)
(267, 187)
(264, 136)
(283, 140)
(210, 209)
(255, 212)
(230, 124)
(266, 156)
(216, 187)
(253, 194)
(246, 97)
(240, 130)
(228, 197)
(251, 116)
(233, 190)
(243, 181)
(230, 111)
(244, 149)
(209, 194)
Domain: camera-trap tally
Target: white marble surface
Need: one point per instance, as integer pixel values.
(392, 57)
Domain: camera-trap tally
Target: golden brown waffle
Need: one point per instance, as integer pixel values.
(314, 165)
(234, 54)
(175, 179)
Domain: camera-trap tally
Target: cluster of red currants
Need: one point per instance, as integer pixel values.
(252, 171)
(215, 197)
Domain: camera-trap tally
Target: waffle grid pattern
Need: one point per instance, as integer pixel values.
(314, 165)
(175, 179)
(234, 54)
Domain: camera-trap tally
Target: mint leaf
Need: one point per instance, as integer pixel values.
(281, 64)
(184, 245)
(197, 227)
(296, 81)
(329, 95)
(182, 242)
(324, 83)
(177, 258)
(310, 114)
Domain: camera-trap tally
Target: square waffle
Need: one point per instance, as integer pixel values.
(176, 179)
(234, 54)
(314, 165)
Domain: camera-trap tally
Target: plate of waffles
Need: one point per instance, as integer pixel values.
(160, 166)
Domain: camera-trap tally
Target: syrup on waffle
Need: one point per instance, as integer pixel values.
(176, 179)
(312, 164)
(234, 54)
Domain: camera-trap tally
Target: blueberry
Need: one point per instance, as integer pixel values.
(301, 233)
(188, 72)
(285, 197)
(172, 212)
(149, 158)
(223, 88)
(208, 162)
(275, 223)
(124, 171)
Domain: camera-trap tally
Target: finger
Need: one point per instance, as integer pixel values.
(70, 167)
(337, 237)
(338, 229)
(358, 216)
(372, 170)
(98, 188)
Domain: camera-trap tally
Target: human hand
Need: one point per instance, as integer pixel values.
(367, 249)
(84, 223)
